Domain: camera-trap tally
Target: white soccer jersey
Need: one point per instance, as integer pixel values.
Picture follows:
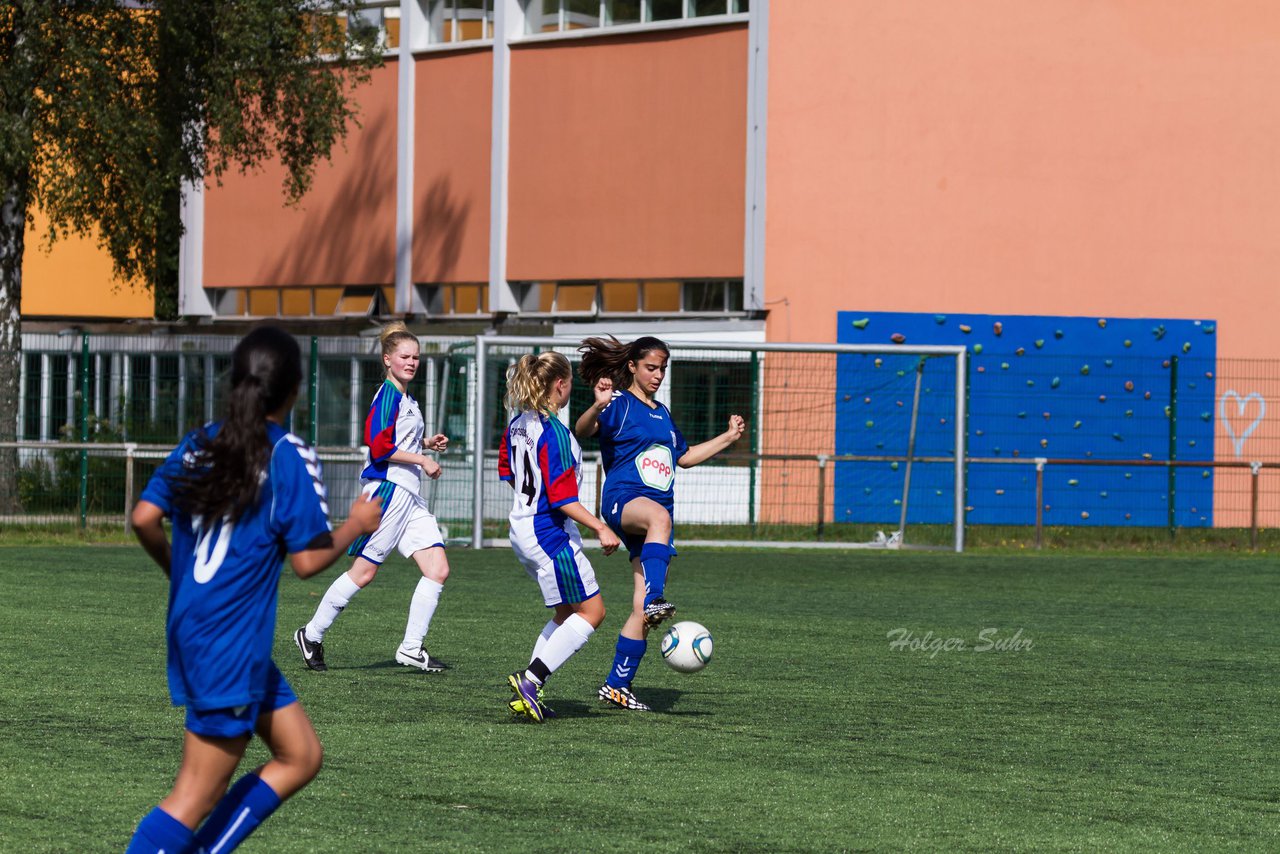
(543, 462)
(394, 423)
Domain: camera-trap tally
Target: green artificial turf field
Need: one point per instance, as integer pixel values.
(1142, 715)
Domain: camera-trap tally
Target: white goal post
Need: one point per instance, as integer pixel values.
(835, 434)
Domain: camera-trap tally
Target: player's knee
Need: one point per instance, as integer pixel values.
(659, 526)
(362, 575)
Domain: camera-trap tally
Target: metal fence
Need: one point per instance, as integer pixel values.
(1088, 441)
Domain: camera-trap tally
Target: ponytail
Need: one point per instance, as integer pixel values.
(531, 380)
(393, 335)
(266, 369)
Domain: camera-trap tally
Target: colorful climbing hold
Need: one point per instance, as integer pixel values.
(997, 328)
(1073, 482)
(1186, 347)
(1055, 382)
(966, 328)
(977, 348)
(898, 338)
(861, 323)
(1102, 323)
(1128, 385)
(1084, 369)
(939, 319)
(1057, 333)
(1039, 342)
(1076, 426)
(1019, 351)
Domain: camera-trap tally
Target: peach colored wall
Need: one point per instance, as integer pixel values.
(452, 132)
(1112, 158)
(628, 156)
(343, 231)
(75, 280)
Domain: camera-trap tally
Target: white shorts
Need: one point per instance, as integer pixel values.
(407, 525)
(565, 578)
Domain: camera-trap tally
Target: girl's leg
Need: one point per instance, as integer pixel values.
(650, 519)
(207, 766)
(630, 649)
(310, 638)
(578, 621)
(435, 571)
(339, 595)
(295, 760)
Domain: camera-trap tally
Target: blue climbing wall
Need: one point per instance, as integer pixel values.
(1055, 387)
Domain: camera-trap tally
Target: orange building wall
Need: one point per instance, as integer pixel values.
(1100, 159)
(627, 156)
(452, 133)
(342, 232)
(75, 280)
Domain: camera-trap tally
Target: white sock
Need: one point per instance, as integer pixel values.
(566, 640)
(421, 609)
(337, 597)
(547, 631)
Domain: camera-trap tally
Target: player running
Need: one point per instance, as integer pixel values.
(393, 432)
(640, 446)
(542, 462)
(239, 493)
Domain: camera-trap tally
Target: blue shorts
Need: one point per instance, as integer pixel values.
(611, 513)
(236, 721)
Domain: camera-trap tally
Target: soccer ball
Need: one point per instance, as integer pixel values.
(687, 647)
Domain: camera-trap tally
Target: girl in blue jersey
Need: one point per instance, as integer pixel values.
(542, 462)
(640, 447)
(240, 494)
(393, 433)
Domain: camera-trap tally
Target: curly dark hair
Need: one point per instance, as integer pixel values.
(609, 357)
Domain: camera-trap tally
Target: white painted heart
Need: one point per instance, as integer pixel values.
(1241, 404)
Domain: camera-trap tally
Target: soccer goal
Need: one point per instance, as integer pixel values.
(846, 446)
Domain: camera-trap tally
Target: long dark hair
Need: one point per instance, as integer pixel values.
(608, 357)
(266, 369)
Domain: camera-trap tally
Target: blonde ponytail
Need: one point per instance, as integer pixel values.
(531, 380)
(393, 334)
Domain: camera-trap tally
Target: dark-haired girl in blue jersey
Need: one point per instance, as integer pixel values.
(640, 447)
(240, 494)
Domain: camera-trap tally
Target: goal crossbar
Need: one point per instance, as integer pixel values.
(485, 344)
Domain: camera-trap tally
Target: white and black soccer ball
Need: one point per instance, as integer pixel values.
(687, 646)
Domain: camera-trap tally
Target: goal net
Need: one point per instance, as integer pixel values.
(845, 445)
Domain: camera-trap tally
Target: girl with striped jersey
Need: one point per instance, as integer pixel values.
(393, 433)
(542, 462)
(240, 493)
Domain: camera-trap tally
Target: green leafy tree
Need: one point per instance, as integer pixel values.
(107, 107)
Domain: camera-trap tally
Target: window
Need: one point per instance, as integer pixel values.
(381, 18)
(451, 21)
(654, 296)
(457, 299)
(552, 16)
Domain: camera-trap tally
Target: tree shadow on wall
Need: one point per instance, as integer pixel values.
(440, 224)
(334, 234)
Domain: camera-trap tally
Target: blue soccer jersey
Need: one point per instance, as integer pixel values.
(224, 576)
(639, 447)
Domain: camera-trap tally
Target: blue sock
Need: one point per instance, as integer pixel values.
(654, 560)
(159, 831)
(246, 805)
(626, 659)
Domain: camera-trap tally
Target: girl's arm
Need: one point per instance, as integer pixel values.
(609, 541)
(588, 423)
(148, 527)
(430, 467)
(702, 452)
(364, 517)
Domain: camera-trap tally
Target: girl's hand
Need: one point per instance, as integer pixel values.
(439, 442)
(431, 468)
(603, 392)
(609, 541)
(366, 512)
(736, 427)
